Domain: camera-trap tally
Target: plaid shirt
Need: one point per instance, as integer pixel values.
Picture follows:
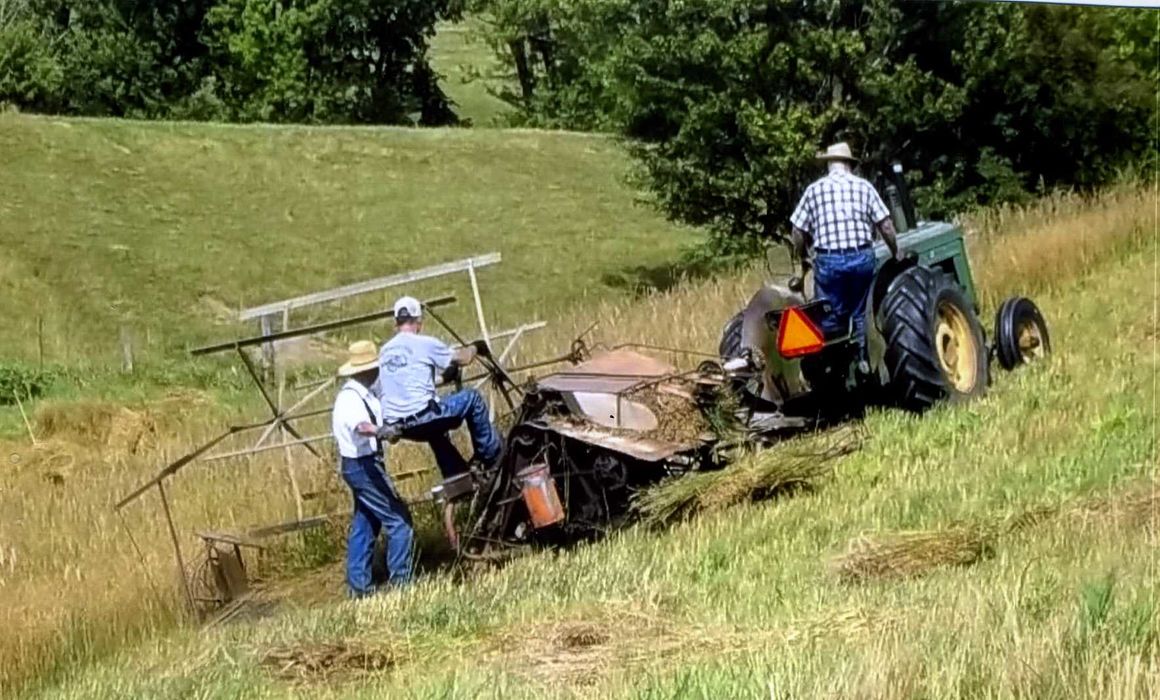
(839, 211)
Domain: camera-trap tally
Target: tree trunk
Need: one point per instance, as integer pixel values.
(523, 71)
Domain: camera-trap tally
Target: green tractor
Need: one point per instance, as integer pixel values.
(924, 338)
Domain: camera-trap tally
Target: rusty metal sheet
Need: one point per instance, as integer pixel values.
(609, 372)
(645, 449)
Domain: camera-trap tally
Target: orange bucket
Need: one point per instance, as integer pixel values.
(540, 496)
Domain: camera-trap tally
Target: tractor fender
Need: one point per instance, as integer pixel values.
(884, 278)
(782, 378)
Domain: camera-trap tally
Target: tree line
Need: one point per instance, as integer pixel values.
(721, 102)
(314, 61)
(724, 102)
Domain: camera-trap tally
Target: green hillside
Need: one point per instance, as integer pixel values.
(469, 69)
(1042, 492)
(167, 227)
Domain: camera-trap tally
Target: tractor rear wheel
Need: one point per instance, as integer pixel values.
(730, 346)
(934, 343)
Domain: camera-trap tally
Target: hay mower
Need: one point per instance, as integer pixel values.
(584, 440)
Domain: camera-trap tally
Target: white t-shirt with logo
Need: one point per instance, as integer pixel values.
(408, 365)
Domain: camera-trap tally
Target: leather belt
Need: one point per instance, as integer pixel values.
(829, 251)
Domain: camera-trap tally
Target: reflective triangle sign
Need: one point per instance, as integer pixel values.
(797, 335)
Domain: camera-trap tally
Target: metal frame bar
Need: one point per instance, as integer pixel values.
(310, 330)
(369, 286)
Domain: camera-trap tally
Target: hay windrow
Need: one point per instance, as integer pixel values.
(623, 638)
(328, 661)
(907, 554)
(796, 463)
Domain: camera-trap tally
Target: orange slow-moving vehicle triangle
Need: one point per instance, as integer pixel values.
(797, 335)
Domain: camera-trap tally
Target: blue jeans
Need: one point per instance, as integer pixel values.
(844, 280)
(376, 505)
(434, 427)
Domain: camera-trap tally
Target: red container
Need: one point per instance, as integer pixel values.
(540, 495)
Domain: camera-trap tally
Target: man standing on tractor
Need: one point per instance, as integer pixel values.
(409, 363)
(837, 217)
(355, 422)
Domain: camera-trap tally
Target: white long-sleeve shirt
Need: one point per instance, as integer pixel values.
(350, 409)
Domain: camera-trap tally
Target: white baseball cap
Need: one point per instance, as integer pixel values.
(408, 307)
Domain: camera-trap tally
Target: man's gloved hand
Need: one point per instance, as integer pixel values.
(390, 433)
(481, 347)
(452, 374)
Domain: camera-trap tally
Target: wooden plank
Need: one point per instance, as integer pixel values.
(369, 286)
(292, 526)
(234, 538)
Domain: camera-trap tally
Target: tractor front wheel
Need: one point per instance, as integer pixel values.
(1020, 333)
(934, 343)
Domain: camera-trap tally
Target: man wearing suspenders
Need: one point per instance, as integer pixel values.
(356, 419)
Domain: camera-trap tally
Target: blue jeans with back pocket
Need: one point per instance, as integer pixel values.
(376, 507)
(844, 279)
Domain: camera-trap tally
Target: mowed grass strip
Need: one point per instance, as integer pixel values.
(169, 228)
(741, 600)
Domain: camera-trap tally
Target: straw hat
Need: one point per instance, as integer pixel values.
(838, 151)
(363, 356)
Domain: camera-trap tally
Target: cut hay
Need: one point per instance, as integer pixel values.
(113, 426)
(794, 464)
(679, 420)
(908, 554)
(1134, 507)
(624, 639)
(327, 661)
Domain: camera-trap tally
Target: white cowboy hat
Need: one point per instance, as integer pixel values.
(838, 151)
(363, 356)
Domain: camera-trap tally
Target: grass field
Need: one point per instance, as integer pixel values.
(470, 71)
(167, 228)
(734, 603)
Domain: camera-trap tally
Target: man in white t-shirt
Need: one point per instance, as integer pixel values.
(408, 366)
(377, 506)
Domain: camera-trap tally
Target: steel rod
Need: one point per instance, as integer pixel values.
(309, 330)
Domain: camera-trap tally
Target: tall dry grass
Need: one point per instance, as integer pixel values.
(74, 585)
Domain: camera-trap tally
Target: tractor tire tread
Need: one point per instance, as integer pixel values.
(907, 321)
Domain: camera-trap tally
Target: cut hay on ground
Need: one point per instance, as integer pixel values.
(1135, 506)
(907, 554)
(796, 463)
(327, 661)
(624, 639)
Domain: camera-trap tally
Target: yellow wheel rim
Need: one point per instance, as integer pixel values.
(956, 347)
(1030, 338)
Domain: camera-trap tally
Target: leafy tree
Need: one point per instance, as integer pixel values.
(723, 102)
(275, 60)
(329, 60)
